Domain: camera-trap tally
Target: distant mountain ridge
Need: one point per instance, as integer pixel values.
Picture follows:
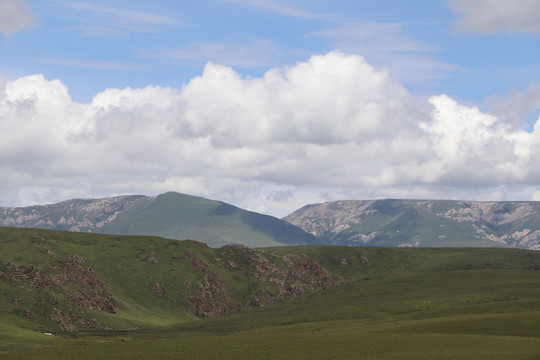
(170, 215)
(78, 215)
(405, 223)
(434, 223)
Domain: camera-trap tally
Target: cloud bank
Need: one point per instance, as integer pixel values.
(328, 128)
(493, 16)
(15, 15)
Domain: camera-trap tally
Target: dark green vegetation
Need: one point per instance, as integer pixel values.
(415, 223)
(170, 215)
(394, 303)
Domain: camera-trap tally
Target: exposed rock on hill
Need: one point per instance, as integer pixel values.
(422, 223)
(136, 280)
(49, 288)
(80, 215)
(278, 278)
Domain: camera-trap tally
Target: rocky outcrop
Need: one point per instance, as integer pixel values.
(210, 296)
(87, 288)
(159, 288)
(151, 258)
(330, 218)
(52, 287)
(489, 212)
(277, 278)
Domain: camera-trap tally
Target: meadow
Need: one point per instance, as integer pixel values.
(395, 303)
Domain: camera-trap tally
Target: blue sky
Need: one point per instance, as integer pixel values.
(269, 104)
(96, 45)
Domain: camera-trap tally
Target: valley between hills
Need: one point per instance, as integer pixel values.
(425, 280)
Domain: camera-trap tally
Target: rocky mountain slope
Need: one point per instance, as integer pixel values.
(171, 215)
(79, 215)
(422, 223)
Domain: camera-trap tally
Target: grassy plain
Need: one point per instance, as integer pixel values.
(396, 303)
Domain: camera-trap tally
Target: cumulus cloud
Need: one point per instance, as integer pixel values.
(328, 128)
(493, 16)
(467, 141)
(15, 15)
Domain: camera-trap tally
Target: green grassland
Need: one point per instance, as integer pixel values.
(395, 303)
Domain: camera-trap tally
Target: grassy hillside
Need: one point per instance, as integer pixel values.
(394, 303)
(178, 216)
(71, 281)
(427, 223)
(170, 215)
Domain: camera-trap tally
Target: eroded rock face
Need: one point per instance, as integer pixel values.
(211, 295)
(54, 286)
(91, 292)
(277, 278)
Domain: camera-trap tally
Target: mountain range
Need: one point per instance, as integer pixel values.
(170, 215)
(414, 223)
(404, 223)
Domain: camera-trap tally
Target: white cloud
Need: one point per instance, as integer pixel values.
(467, 141)
(517, 108)
(15, 15)
(331, 127)
(493, 16)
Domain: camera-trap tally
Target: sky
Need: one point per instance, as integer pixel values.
(269, 104)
